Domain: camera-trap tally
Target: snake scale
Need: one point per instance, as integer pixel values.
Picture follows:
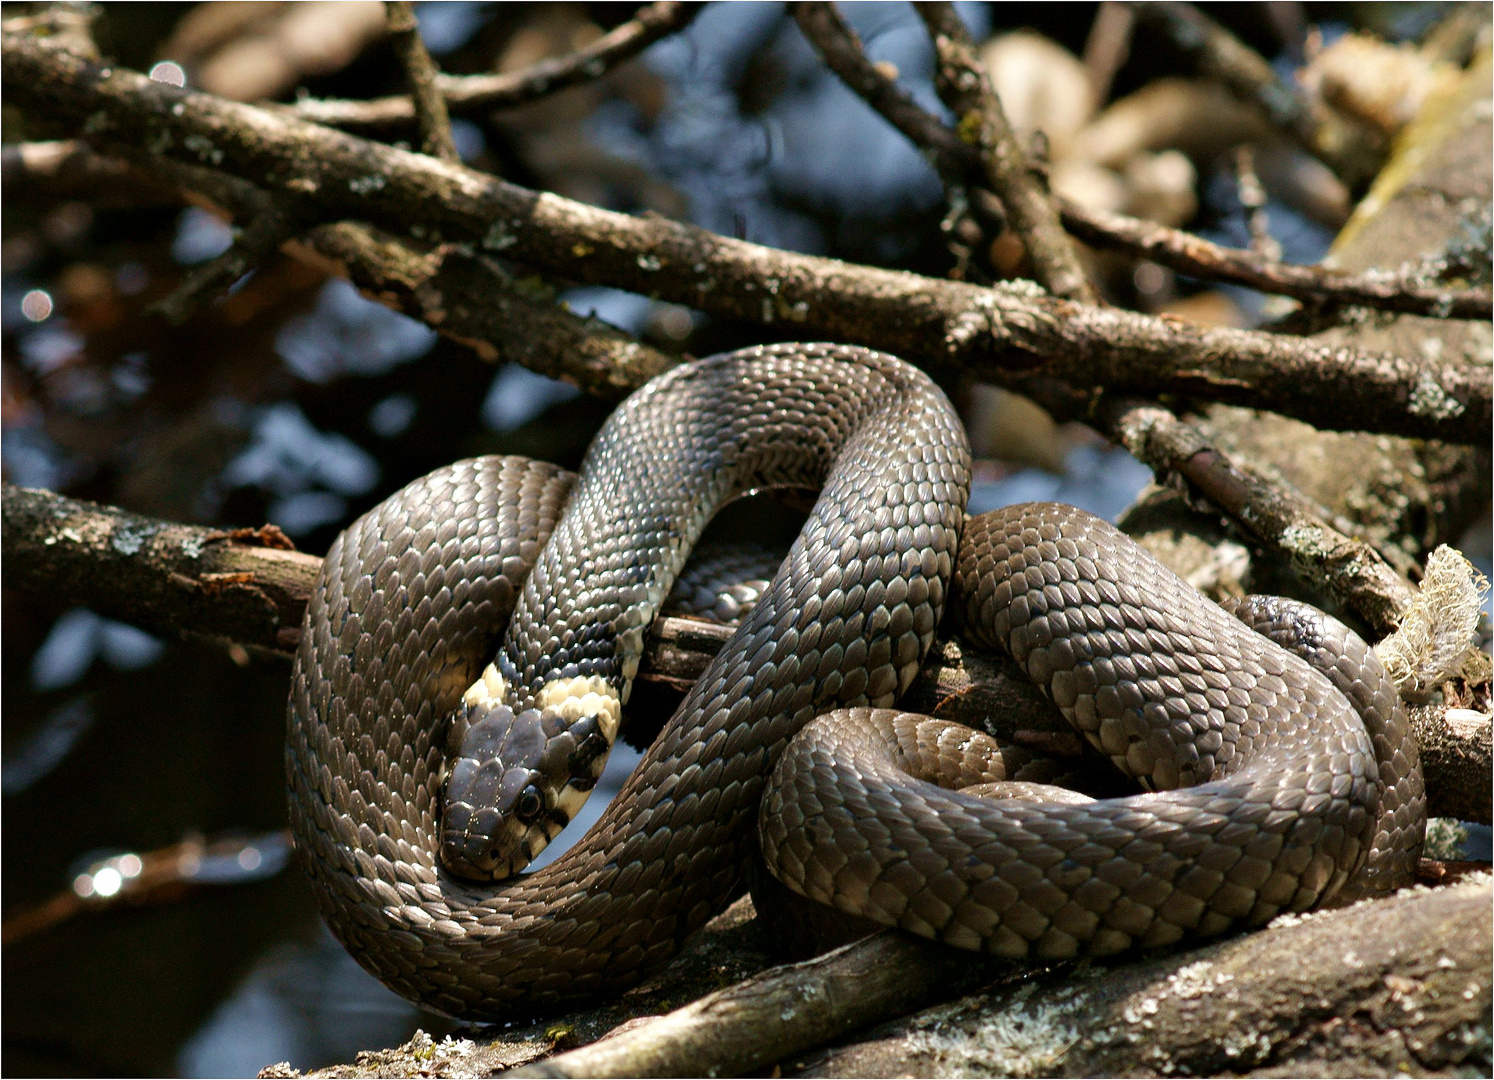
(1274, 783)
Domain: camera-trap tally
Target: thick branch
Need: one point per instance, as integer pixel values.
(804, 1005)
(247, 585)
(1349, 570)
(1394, 986)
(1008, 334)
(980, 121)
(431, 119)
(467, 95)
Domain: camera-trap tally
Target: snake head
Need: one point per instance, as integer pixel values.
(517, 780)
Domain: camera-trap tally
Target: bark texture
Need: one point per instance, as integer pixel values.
(1399, 986)
(1400, 495)
(1011, 334)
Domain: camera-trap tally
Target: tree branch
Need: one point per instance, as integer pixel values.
(841, 50)
(1008, 334)
(958, 163)
(1349, 570)
(466, 296)
(980, 121)
(261, 234)
(467, 95)
(1197, 257)
(804, 1005)
(471, 299)
(1246, 74)
(429, 106)
(1372, 990)
(244, 585)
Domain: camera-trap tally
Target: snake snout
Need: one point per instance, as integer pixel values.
(494, 822)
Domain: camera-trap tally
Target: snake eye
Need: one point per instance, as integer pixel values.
(529, 805)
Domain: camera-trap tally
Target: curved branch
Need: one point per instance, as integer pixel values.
(1008, 334)
(466, 95)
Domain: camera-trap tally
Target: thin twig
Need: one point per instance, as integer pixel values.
(153, 877)
(954, 162)
(468, 95)
(1174, 248)
(1190, 254)
(1252, 196)
(1218, 54)
(1010, 334)
(431, 119)
(841, 50)
(966, 88)
(262, 234)
(1107, 47)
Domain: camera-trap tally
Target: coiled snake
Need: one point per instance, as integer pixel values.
(1270, 791)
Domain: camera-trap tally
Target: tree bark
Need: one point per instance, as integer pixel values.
(1398, 986)
(1398, 494)
(1010, 334)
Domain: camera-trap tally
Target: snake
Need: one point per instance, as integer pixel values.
(1276, 766)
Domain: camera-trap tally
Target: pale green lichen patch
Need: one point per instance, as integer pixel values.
(203, 147)
(1430, 400)
(1022, 1040)
(1304, 542)
(366, 185)
(128, 539)
(1445, 838)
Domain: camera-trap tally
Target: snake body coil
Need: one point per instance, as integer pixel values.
(1301, 798)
